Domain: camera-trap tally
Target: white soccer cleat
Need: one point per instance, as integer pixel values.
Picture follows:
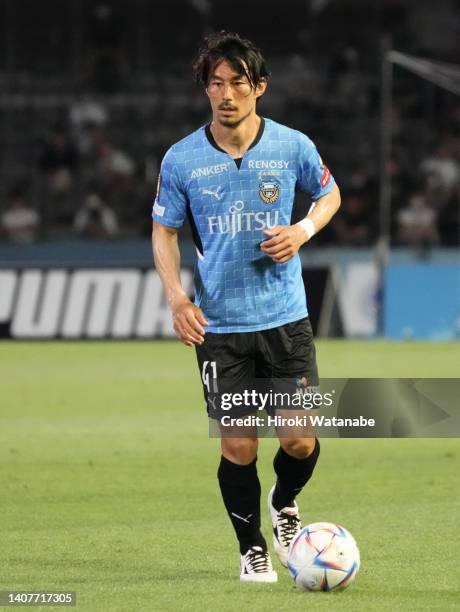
(256, 566)
(286, 525)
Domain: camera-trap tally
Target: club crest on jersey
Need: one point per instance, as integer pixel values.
(269, 191)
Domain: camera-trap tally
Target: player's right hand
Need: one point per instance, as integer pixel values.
(188, 321)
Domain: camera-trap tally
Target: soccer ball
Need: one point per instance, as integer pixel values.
(323, 557)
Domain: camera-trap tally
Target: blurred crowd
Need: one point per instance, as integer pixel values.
(88, 167)
(82, 184)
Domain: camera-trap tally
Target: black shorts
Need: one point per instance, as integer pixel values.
(268, 359)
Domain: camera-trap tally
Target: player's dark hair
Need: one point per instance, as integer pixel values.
(241, 54)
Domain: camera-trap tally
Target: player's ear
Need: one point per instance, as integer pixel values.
(261, 87)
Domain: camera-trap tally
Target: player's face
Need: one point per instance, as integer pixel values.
(232, 96)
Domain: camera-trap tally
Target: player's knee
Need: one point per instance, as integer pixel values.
(300, 448)
(240, 450)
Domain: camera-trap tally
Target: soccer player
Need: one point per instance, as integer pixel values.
(235, 179)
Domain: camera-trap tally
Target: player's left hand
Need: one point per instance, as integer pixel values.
(284, 242)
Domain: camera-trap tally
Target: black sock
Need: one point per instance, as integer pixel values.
(240, 488)
(292, 475)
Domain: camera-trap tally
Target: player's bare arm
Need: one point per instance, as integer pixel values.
(285, 240)
(188, 319)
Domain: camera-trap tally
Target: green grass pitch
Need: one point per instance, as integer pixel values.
(108, 485)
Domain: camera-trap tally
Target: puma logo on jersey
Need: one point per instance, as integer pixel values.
(216, 193)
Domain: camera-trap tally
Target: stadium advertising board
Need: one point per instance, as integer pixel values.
(84, 303)
(103, 303)
(422, 301)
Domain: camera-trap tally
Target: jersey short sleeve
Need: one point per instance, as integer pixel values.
(170, 203)
(314, 176)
